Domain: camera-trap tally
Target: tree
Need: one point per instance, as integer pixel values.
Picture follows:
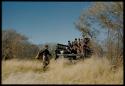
(109, 16)
(15, 45)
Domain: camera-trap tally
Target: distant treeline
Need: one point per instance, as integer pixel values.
(16, 45)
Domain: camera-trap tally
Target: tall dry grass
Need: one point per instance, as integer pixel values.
(90, 71)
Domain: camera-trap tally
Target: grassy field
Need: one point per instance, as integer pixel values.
(90, 71)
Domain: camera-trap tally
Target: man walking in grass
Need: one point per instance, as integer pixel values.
(45, 56)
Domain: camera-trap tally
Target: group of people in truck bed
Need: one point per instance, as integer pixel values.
(78, 46)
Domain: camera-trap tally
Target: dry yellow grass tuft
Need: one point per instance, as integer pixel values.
(90, 71)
